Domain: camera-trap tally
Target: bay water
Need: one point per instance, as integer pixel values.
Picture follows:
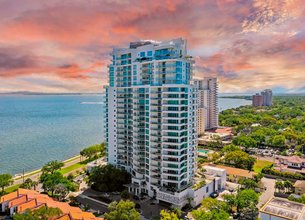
(35, 129)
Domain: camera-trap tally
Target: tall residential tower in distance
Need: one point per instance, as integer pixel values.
(267, 97)
(151, 117)
(263, 99)
(207, 104)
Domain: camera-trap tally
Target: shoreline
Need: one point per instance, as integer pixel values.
(19, 176)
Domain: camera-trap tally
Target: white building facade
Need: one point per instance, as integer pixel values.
(207, 104)
(151, 116)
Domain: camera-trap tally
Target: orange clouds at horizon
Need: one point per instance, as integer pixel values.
(64, 46)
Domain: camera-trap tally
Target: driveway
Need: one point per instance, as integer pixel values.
(268, 193)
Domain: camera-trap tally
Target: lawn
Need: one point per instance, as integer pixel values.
(260, 164)
(11, 188)
(71, 168)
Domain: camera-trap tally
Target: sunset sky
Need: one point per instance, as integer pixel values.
(64, 45)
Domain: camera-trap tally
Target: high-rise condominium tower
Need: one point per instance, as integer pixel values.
(263, 99)
(207, 104)
(267, 97)
(257, 100)
(151, 116)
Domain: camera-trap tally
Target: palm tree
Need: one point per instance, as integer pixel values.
(279, 185)
(288, 185)
(5, 180)
(34, 184)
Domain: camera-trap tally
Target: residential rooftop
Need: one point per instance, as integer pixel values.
(299, 184)
(24, 199)
(284, 209)
(236, 171)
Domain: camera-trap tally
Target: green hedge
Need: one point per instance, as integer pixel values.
(288, 175)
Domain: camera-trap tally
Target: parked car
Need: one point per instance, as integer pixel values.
(214, 195)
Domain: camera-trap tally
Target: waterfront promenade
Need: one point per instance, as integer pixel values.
(70, 166)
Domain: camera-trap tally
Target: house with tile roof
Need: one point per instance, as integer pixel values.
(295, 162)
(299, 187)
(23, 199)
(236, 174)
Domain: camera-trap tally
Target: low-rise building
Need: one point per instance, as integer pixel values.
(235, 174)
(23, 199)
(223, 134)
(299, 187)
(294, 162)
(214, 181)
(282, 209)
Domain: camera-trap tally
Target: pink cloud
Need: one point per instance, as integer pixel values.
(239, 41)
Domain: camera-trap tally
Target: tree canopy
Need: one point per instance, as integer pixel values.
(5, 181)
(122, 210)
(43, 213)
(280, 126)
(174, 214)
(244, 203)
(94, 150)
(52, 181)
(108, 178)
(211, 209)
(239, 159)
(52, 166)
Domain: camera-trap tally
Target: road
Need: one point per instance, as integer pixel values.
(269, 193)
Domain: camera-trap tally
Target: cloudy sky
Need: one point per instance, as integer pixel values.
(64, 45)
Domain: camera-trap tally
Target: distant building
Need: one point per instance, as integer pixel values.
(267, 97)
(282, 209)
(257, 100)
(263, 99)
(201, 121)
(207, 104)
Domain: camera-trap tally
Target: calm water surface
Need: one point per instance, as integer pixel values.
(37, 129)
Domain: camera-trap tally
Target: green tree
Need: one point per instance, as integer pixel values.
(210, 215)
(248, 184)
(247, 198)
(288, 185)
(93, 151)
(122, 210)
(43, 213)
(278, 140)
(28, 184)
(170, 215)
(230, 148)
(279, 186)
(5, 181)
(213, 157)
(50, 182)
(239, 159)
(211, 209)
(125, 194)
(52, 166)
(108, 178)
(245, 141)
(258, 135)
(244, 202)
(231, 200)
